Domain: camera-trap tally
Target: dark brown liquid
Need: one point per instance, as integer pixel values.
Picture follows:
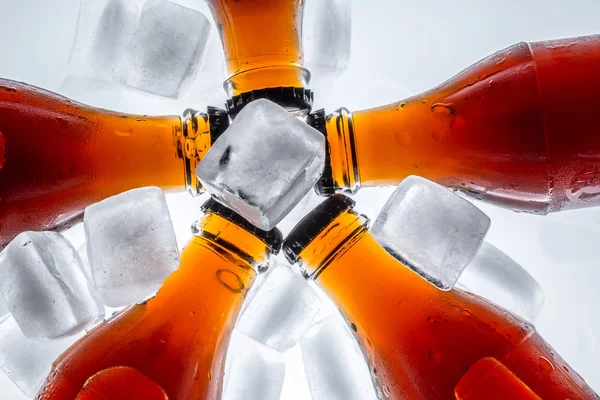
(520, 128)
(57, 157)
(420, 340)
(179, 338)
(262, 42)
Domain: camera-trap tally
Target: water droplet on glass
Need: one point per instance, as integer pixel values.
(501, 61)
(546, 365)
(466, 313)
(443, 108)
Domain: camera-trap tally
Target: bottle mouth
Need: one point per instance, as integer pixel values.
(272, 238)
(290, 98)
(313, 224)
(325, 185)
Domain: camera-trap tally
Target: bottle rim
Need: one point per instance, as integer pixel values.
(273, 238)
(313, 224)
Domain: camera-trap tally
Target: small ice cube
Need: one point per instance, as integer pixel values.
(104, 29)
(431, 230)
(334, 369)
(253, 371)
(131, 245)
(27, 362)
(166, 49)
(497, 277)
(281, 311)
(326, 38)
(264, 163)
(46, 287)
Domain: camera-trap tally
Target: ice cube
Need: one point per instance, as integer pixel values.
(104, 30)
(46, 286)
(27, 362)
(431, 230)
(253, 371)
(166, 49)
(131, 245)
(326, 38)
(281, 311)
(264, 163)
(334, 369)
(497, 277)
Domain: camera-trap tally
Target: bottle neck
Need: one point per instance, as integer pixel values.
(233, 241)
(339, 128)
(193, 138)
(332, 242)
(261, 53)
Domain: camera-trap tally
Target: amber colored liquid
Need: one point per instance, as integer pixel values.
(262, 42)
(57, 157)
(420, 340)
(519, 128)
(490, 380)
(121, 383)
(179, 338)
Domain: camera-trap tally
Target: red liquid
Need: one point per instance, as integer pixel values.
(179, 338)
(519, 129)
(121, 383)
(58, 156)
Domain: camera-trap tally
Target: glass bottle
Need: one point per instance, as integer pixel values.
(418, 340)
(179, 338)
(518, 128)
(262, 43)
(58, 156)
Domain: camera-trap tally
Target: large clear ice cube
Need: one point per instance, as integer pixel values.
(326, 38)
(333, 367)
(431, 230)
(104, 30)
(494, 275)
(166, 49)
(253, 371)
(27, 362)
(264, 163)
(46, 287)
(281, 311)
(131, 245)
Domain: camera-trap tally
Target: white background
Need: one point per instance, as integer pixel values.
(398, 48)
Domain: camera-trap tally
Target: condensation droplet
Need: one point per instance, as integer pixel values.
(443, 108)
(501, 61)
(546, 365)
(466, 313)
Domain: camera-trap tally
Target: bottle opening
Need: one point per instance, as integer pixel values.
(272, 238)
(290, 98)
(313, 224)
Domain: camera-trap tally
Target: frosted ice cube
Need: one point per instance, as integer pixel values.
(104, 30)
(166, 49)
(46, 286)
(131, 245)
(431, 230)
(281, 311)
(326, 38)
(253, 371)
(497, 277)
(27, 362)
(334, 369)
(264, 163)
